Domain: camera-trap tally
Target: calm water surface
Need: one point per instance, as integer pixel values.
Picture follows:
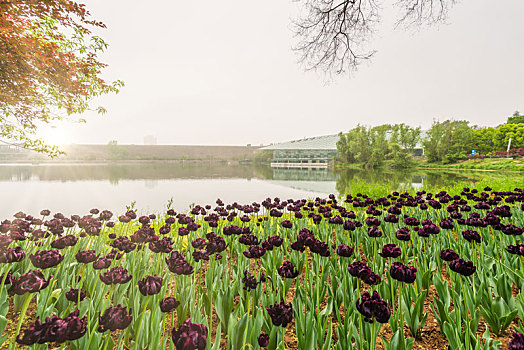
(76, 188)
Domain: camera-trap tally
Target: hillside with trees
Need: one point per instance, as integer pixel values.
(446, 142)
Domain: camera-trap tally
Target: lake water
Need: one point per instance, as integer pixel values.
(77, 188)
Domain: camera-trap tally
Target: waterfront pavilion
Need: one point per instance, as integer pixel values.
(312, 152)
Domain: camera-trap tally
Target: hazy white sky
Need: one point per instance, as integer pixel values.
(223, 72)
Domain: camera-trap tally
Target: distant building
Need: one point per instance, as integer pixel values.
(313, 152)
(149, 140)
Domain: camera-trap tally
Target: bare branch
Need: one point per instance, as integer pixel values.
(331, 35)
(418, 12)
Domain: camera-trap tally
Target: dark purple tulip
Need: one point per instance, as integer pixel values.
(344, 250)
(362, 271)
(471, 236)
(144, 220)
(372, 221)
(298, 246)
(54, 330)
(275, 213)
(465, 268)
(102, 263)
(110, 224)
(431, 228)
(355, 268)
(512, 230)
(200, 255)
(263, 340)
(12, 255)
(168, 304)
(164, 230)
(391, 218)
(164, 245)
(403, 273)
(29, 282)
(254, 252)
(287, 270)
(516, 249)
(20, 215)
(390, 251)
(190, 336)
(72, 295)
(44, 259)
(374, 231)
(5, 241)
(286, 224)
(215, 244)
(106, 215)
(76, 327)
(150, 285)
(349, 225)
(116, 275)
(248, 239)
(281, 314)
(373, 308)
(198, 243)
(369, 277)
(8, 278)
(516, 342)
(111, 235)
(123, 244)
(403, 234)
(114, 255)
(183, 231)
(448, 255)
(320, 248)
(124, 219)
(275, 241)
(45, 212)
(115, 317)
(86, 256)
(249, 281)
(131, 214)
(411, 221)
(62, 242)
(446, 224)
(177, 264)
(18, 236)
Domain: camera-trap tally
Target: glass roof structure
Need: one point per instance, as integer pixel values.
(328, 142)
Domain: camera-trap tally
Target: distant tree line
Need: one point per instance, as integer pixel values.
(445, 142)
(372, 146)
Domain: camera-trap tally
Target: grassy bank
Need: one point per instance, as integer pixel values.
(495, 164)
(498, 164)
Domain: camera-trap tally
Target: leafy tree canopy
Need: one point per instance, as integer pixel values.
(49, 69)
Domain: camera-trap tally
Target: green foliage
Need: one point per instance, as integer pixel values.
(483, 140)
(372, 146)
(263, 156)
(448, 141)
(516, 119)
(504, 132)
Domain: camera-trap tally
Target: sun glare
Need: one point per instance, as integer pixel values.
(56, 136)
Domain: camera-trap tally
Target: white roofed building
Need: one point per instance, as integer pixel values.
(312, 152)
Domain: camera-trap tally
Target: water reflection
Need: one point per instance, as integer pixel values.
(75, 188)
(151, 172)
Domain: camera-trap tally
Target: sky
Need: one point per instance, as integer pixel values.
(224, 73)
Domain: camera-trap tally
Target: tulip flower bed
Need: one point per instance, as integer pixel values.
(356, 273)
